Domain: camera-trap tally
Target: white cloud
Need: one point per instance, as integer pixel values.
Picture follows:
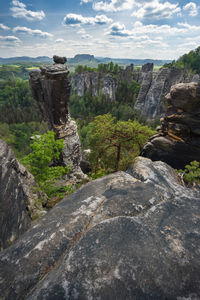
(4, 27)
(118, 29)
(35, 32)
(10, 39)
(151, 31)
(58, 41)
(114, 5)
(74, 19)
(85, 1)
(156, 10)
(189, 27)
(192, 9)
(19, 10)
(86, 36)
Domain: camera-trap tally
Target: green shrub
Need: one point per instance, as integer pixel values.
(45, 150)
(191, 173)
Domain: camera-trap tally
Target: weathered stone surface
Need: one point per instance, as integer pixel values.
(148, 67)
(150, 99)
(128, 235)
(145, 86)
(59, 59)
(178, 142)
(100, 83)
(18, 201)
(51, 88)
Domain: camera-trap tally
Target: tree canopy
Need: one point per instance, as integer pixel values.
(115, 144)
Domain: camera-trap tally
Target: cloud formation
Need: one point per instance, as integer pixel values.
(10, 39)
(114, 5)
(35, 32)
(192, 9)
(4, 27)
(117, 29)
(75, 19)
(19, 10)
(142, 31)
(156, 10)
(85, 1)
(58, 41)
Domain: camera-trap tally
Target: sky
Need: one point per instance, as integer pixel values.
(156, 29)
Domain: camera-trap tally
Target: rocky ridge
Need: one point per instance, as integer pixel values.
(100, 83)
(131, 235)
(178, 140)
(154, 86)
(20, 202)
(51, 88)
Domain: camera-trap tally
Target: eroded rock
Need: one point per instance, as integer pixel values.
(51, 88)
(19, 199)
(150, 99)
(178, 139)
(128, 235)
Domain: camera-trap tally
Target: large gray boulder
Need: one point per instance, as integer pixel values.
(128, 235)
(19, 202)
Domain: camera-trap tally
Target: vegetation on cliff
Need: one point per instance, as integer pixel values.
(189, 61)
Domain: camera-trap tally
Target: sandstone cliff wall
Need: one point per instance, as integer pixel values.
(51, 88)
(178, 140)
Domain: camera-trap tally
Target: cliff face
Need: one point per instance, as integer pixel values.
(124, 236)
(154, 86)
(51, 88)
(18, 200)
(100, 83)
(153, 90)
(178, 140)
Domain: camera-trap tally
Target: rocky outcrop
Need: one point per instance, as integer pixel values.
(128, 235)
(150, 100)
(51, 88)
(97, 83)
(19, 202)
(178, 140)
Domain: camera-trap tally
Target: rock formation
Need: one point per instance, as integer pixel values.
(178, 140)
(51, 88)
(18, 200)
(128, 235)
(153, 90)
(98, 83)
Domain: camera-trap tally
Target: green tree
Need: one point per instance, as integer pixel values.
(114, 145)
(191, 173)
(45, 150)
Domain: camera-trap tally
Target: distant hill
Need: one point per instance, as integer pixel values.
(25, 59)
(82, 59)
(128, 61)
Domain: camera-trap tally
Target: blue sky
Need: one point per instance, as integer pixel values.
(157, 29)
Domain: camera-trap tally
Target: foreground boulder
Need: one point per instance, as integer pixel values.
(178, 140)
(19, 203)
(128, 235)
